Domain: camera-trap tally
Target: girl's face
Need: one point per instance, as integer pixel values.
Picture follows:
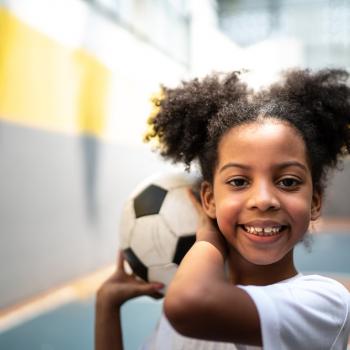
(262, 195)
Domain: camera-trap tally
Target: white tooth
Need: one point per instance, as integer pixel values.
(259, 231)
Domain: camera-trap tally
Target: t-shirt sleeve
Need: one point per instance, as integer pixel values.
(308, 313)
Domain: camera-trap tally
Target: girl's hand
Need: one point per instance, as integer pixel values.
(207, 228)
(122, 286)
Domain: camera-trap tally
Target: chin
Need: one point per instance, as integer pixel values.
(261, 260)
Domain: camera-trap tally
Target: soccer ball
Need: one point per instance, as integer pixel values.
(158, 225)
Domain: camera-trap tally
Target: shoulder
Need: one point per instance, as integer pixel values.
(313, 280)
(316, 289)
(302, 308)
(304, 293)
(304, 286)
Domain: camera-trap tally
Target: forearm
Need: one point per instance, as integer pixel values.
(108, 333)
(193, 291)
(202, 266)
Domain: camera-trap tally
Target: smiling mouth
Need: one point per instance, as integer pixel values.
(264, 231)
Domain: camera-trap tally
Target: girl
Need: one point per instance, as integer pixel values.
(264, 158)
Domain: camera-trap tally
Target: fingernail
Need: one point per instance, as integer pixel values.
(158, 285)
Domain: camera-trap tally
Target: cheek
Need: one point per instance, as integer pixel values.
(227, 214)
(301, 212)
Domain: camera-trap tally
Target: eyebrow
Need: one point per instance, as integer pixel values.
(234, 165)
(278, 166)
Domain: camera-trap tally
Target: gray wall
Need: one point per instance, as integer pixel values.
(60, 199)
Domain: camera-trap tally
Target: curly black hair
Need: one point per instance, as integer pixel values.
(192, 118)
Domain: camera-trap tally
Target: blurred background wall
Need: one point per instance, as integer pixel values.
(75, 82)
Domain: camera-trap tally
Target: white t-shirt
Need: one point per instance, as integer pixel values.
(300, 313)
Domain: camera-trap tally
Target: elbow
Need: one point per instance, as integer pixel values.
(182, 310)
(174, 311)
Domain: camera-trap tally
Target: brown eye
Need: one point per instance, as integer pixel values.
(289, 182)
(238, 182)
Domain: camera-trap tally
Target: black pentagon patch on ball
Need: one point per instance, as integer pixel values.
(136, 264)
(149, 201)
(182, 247)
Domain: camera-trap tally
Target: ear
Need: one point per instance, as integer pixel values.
(207, 197)
(316, 205)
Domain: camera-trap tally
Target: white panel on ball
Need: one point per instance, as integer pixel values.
(179, 213)
(163, 274)
(152, 241)
(127, 222)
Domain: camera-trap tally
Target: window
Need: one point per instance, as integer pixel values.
(321, 26)
(162, 23)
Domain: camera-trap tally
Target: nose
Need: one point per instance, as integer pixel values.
(262, 196)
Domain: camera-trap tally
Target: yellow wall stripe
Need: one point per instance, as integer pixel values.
(47, 85)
